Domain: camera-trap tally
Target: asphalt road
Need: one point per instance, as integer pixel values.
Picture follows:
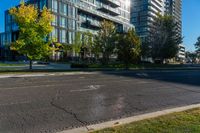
(55, 103)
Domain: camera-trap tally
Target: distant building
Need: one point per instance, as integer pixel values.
(174, 8)
(143, 14)
(72, 16)
(5, 40)
(181, 54)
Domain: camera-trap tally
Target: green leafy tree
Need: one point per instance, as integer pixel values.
(66, 49)
(146, 50)
(197, 45)
(164, 40)
(34, 27)
(105, 40)
(88, 44)
(191, 56)
(129, 47)
(77, 44)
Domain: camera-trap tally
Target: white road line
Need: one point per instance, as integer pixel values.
(89, 88)
(142, 74)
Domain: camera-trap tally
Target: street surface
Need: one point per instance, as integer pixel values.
(51, 104)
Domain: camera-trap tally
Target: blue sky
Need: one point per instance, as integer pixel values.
(191, 20)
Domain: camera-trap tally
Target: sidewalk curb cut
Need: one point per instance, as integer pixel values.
(130, 119)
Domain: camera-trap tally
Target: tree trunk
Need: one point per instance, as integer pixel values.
(31, 65)
(105, 60)
(126, 66)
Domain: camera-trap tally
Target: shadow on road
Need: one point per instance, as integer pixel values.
(187, 77)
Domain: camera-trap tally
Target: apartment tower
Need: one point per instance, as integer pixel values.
(143, 14)
(72, 16)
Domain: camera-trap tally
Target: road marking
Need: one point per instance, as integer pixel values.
(136, 81)
(142, 74)
(89, 88)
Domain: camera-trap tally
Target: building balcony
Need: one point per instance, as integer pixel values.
(109, 10)
(99, 14)
(112, 3)
(91, 24)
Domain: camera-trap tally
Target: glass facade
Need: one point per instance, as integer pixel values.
(143, 13)
(65, 19)
(174, 8)
(71, 16)
(92, 12)
(5, 40)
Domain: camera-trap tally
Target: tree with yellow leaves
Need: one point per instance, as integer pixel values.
(34, 28)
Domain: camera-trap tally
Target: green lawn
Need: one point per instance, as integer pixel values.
(11, 64)
(183, 122)
(131, 66)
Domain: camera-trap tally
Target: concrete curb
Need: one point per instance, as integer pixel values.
(129, 119)
(44, 74)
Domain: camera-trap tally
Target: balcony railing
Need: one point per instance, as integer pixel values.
(112, 3)
(91, 24)
(107, 9)
(94, 12)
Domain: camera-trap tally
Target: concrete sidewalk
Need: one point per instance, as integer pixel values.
(51, 66)
(44, 74)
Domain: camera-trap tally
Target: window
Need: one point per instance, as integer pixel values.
(54, 34)
(63, 36)
(70, 37)
(62, 22)
(54, 5)
(63, 8)
(55, 20)
(15, 27)
(73, 24)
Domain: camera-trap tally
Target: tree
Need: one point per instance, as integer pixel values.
(77, 44)
(88, 44)
(67, 50)
(129, 47)
(105, 40)
(164, 39)
(191, 57)
(34, 27)
(197, 45)
(145, 50)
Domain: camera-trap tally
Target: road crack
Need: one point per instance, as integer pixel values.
(67, 111)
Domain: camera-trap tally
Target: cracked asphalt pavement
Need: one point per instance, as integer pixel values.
(50, 104)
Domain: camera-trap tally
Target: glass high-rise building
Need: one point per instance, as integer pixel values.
(174, 8)
(76, 15)
(143, 13)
